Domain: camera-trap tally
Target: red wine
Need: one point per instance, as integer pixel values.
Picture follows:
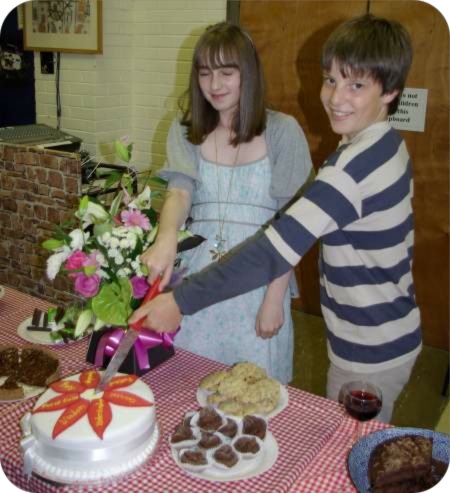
(362, 405)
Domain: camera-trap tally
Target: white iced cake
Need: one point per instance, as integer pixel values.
(73, 435)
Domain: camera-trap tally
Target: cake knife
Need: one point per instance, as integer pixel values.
(127, 342)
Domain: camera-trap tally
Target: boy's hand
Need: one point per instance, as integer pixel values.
(269, 320)
(161, 314)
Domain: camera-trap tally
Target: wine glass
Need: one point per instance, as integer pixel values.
(362, 400)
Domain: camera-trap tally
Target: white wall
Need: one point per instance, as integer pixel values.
(133, 87)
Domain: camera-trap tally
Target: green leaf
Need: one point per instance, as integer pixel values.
(51, 314)
(83, 204)
(112, 303)
(98, 324)
(152, 215)
(112, 179)
(83, 322)
(99, 229)
(158, 180)
(115, 204)
(52, 244)
(122, 151)
(89, 270)
(152, 235)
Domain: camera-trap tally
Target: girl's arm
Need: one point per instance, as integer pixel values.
(160, 257)
(270, 316)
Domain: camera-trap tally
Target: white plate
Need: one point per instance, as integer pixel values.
(247, 468)
(202, 396)
(35, 337)
(28, 390)
(2, 292)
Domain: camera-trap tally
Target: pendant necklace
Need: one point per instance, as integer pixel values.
(219, 241)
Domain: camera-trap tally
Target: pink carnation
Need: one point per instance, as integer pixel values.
(76, 261)
(87, 286)
(140, 286)
(135, 218)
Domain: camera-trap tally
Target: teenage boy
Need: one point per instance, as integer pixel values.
(359, 206)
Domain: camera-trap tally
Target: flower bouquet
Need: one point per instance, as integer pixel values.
(100, 251)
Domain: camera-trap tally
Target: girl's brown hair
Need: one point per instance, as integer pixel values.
(226, 44)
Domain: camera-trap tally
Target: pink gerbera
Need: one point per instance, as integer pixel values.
(135, 218)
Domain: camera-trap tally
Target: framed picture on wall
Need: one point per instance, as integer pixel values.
(73, 26)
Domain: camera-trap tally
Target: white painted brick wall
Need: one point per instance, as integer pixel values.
(133, 87)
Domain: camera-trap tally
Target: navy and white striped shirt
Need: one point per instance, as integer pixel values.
(360, 207)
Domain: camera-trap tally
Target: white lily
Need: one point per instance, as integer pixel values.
(92, 214)
(143, 200)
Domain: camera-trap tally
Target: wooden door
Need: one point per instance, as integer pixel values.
(289, 36)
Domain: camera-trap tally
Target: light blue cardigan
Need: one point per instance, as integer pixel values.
(286, 147)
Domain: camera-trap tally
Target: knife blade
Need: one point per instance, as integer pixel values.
(126, 343)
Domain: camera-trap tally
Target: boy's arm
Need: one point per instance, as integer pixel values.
(254, 263)
(270, 316)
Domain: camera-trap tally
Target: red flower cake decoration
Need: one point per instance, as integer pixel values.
(98, 410)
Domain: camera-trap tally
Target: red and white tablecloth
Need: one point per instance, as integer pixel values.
(312, 433)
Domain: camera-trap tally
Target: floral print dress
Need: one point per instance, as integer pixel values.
(225, 332)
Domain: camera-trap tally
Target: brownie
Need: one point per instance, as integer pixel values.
(195, 457)
(36, 366)
(403, 461)
(9, 360)
(182, 433)
(209, 419)
(209, 440)
(10, 384)
(226, 455)
(252, 425)
(247, 445)
(229, 429)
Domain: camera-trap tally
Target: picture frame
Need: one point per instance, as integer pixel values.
(73, 26)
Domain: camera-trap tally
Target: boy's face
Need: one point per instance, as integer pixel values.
(353, 103)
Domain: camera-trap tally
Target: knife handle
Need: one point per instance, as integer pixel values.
(151, 293)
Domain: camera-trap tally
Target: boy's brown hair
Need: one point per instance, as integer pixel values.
(226, 44)
(371, 46)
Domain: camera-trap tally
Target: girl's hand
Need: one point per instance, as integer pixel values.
(160, 258)
(161, 314)
(270, 319)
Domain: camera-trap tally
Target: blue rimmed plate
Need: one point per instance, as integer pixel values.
(358, 458)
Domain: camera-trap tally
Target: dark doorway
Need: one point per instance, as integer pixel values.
(17, 96)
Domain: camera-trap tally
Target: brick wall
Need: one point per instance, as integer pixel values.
(38, 190)
(133, 87)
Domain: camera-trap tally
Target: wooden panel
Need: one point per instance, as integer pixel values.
(289, 36)
(429, 151)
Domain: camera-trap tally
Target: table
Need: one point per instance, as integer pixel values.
(313, 433)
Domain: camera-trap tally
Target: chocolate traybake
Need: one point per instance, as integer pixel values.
(36, 366)
(403, 464)
(9, 360)
(30, 365)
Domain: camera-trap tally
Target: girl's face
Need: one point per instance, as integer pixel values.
(221, 87)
